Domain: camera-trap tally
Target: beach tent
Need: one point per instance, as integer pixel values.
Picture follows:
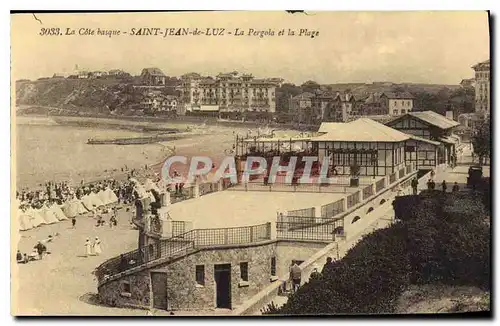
(149, 184)
(56, 209)
(73, 208)
(152, 197)
(48, 216)
(80, 208)
(95, 200)
(70, 208)
(35, 217)
(24, 220)
(87, 202)
(111, 195)
(103, 197)
(141, 191)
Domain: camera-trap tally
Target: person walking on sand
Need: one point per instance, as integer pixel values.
(88, 248)
(97, 246)
(444, 186)
(73, 221)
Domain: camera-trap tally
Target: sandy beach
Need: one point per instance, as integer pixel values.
(47, 150)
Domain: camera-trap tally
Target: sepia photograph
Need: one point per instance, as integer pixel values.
(251, 163)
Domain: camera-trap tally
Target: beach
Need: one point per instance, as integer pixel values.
(47, 150)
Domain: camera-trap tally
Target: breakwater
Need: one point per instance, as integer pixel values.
(135, 140)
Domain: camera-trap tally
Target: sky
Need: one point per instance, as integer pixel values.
(420, 47)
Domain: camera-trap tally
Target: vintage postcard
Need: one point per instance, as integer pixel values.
(250, 163)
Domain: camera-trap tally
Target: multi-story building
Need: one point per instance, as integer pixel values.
(397, 103)
(228, 93)
(482, 79)
(301, 106)
(153, 77)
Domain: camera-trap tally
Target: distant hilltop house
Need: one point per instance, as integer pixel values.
(470, 82)
(153, 77)
(83, 75)
(156, 102)
(98, 74)
(398, 103)
(345, 106)
(116, 72)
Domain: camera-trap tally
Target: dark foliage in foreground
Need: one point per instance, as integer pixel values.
(445, 241)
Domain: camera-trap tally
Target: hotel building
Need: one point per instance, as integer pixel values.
(227, 93)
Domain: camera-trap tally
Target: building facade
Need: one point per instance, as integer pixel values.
(434, 135)
(153, 77)
(228, 93)
(482, 85)
(397, 103)
(377, 149)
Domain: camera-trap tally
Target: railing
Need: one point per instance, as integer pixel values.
(207, 188)
(306, 228)
(392, 178)
(180, 245)
(305, 212)
(379, 185)
(367, 191)
(353, 199)
(178, 227)
(332, 209)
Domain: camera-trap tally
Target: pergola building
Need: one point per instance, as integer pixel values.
(377, 149)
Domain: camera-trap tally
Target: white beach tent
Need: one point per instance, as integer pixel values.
(56, 209)
(95, 200)
(149, 184)
(35, 217)
(79, 206)
(24, 220)
(73, 208)
(140, 191)
(48, 215)
(103, 197)
(87, 202)
(111, 195)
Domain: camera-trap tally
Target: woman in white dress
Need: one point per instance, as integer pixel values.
(88, 248)
(97, 246)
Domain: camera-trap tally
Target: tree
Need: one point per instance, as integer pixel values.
(481, 140)
(310, 86)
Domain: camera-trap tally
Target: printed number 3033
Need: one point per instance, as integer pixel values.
(50, 31)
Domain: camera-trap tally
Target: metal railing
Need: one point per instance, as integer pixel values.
(379, 185)
(367, 191)
(305, 212)
(207, 188)
(392, 178)
(332, 209)
(306, 228)
(178, 227)
(353, 199)
(180, 245)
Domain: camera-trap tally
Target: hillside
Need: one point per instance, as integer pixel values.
(101, 96)
(118, 95)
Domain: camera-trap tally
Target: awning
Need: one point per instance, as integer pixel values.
(448, 140)
(433, 142)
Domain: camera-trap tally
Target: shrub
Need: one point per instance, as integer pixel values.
(442, 239)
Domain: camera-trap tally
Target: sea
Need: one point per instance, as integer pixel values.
(47, 151)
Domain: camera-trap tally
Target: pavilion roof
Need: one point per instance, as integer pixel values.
(361, 130)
